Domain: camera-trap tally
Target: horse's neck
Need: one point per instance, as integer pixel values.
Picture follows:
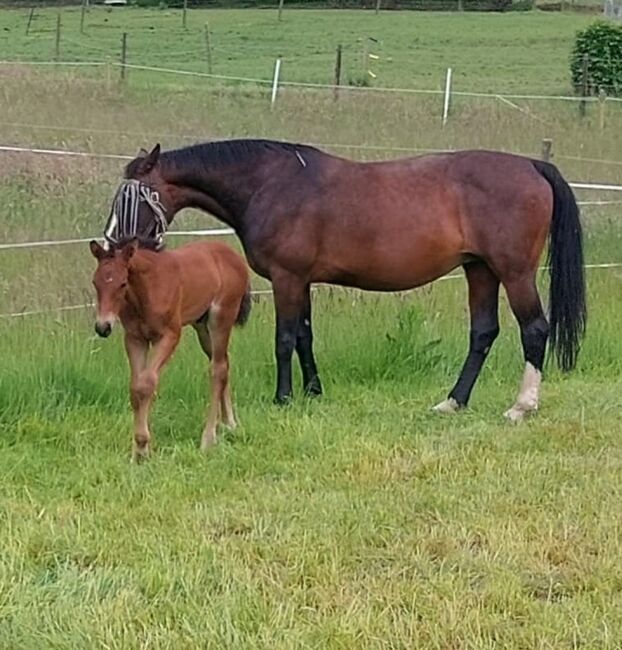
(222, 190)
(142, 276)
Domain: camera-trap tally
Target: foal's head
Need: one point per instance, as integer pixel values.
(110, 281)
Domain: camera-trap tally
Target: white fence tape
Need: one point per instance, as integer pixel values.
(267, 292)
(86, 154)
(301, 84)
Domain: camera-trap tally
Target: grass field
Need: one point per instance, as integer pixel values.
(360, 520)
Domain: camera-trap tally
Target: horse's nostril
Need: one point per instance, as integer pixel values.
(103, 329)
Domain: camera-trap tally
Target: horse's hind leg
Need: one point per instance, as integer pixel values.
(304, 349)
(219, 327)
(483, 305)
(534, 332)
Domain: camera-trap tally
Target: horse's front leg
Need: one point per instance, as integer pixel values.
(304, 348)
(289, 299)
(144, 386)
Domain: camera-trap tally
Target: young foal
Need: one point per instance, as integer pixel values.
(154, 294)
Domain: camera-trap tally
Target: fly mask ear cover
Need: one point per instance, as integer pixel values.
(123, 222)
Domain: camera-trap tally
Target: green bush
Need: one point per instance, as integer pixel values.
(601, 43)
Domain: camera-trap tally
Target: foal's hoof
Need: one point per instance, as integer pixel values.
(447, 406)
(518, 413)
(313, 388)
(207, 442)
(140, 454)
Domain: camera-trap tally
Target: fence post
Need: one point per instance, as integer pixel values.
(82, 12)
(208, 48)
(57, 44)
(183, 17)
(547, 146)
(123, 55)
(30, 17)
(281, 9)
(337, 74)
(602, 101)
(378, 3)
(275, 81)
(447, 96)
(584, 85)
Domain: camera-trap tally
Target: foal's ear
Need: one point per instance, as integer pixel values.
(147, 161)
(97, 251)
(129, 249)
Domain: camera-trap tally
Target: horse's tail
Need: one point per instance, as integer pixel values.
(567, 308)
(245, 307)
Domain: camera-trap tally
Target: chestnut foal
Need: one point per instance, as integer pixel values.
(154, 294)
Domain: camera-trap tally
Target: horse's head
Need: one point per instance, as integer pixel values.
(137, 208)
(111, 281)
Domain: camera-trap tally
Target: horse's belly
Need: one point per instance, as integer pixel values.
(390, 273)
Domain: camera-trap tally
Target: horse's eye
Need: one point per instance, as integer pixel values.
(123, 285)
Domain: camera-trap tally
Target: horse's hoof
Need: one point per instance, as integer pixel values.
(283, 400)
(207, 442)
(313, 388)
(517, 414)
(140, 455)
(447, 406)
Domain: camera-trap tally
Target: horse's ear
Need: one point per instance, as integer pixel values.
(97, 251)
(129, 249)
(147, 161)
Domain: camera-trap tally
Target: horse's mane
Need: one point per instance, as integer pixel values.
(222, 152)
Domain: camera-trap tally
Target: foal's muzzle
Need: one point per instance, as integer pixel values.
(103, 329)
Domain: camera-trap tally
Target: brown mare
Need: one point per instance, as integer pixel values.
(154, 294)
(304, 216)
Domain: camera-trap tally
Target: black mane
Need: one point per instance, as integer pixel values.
(223, 152)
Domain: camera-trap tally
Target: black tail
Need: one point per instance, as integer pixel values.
(245, 308)
(567, 309)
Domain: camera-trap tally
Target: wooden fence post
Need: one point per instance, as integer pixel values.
(31, 15)
(208, 48)
(584, 85)
(547, 146)
(123, 55)
(602, 101)
(184, 17)
(57, 43)
(337, 74)
(281, 9)
(82, 13)
(378, 3)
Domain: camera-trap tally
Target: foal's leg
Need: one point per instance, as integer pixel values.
(144, 386)
(534, 332)
(304, 348)
(225, 403)
(289, 298)
(137, 350)
(219, 326)
(483, 305)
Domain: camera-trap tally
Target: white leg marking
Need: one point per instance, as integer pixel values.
(448, 405)
(527, 400)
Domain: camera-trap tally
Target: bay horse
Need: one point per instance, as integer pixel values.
(154, 294)
(304, 216)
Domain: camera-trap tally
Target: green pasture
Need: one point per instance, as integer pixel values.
(358, 520)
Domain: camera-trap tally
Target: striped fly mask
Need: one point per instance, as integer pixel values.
(136, 213)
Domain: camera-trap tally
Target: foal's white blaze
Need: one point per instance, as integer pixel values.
(528, 397)
(448, 405)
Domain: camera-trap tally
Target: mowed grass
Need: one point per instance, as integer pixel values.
(359, 520)
(497, 53)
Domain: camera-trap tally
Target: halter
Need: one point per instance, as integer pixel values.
(123, 220)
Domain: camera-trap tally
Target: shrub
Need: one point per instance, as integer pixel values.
(602, 44)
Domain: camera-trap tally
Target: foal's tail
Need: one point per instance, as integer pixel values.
(245, 307)
(568, 312)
